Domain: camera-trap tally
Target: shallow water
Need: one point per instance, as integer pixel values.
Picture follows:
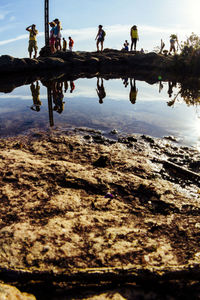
(153, 113)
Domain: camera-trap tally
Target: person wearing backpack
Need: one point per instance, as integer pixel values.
(100, 37)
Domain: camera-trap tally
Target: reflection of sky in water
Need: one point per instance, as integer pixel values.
(149, 115)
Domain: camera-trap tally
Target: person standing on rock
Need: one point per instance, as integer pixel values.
(57, 32)
(71, 43)
(172, 44)
(100, 37)
(134, 37)
(52, 37)
(64, 45)
(32, 40)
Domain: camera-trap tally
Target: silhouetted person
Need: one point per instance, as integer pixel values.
(160, 86)
(134, 37)
(100, 91)
(32, 40)
(133, 91)
(64, 44)
(65, 86)
(35, 91)
(171, 85)
(72, 86)
(100, 37)
(172, 45)
(162, 46)
(58, 97)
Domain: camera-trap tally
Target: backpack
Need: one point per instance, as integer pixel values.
(103, 33)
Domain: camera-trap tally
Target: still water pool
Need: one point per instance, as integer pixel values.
(127, 106)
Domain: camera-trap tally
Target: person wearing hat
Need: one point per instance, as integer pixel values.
(32, 40)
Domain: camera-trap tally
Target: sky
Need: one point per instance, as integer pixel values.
(155, 19)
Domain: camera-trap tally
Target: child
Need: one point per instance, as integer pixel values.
(71, 43)
(64, 44)
(126, 44)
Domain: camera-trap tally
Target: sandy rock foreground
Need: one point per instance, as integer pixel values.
(70, 205)
(8, 292)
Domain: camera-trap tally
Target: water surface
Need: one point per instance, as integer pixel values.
(157, 110)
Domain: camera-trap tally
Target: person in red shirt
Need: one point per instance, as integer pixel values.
(71, 43)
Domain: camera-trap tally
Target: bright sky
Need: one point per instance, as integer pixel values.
(155, 19)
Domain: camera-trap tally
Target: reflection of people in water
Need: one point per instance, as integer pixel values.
(100, 90)
(65, 86)
(125, 82)
(160, 86)
(171, 85)
(72, 86)
(58, 97)
(35, 90)
(133, 91)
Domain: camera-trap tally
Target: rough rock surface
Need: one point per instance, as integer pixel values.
(108, 60)
(69, 205)
(8, 292)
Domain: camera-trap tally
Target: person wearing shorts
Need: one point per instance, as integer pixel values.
(100, 37)
(32, 40)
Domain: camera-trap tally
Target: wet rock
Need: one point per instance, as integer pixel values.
(114, 131)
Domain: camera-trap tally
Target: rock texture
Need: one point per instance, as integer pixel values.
(75, 210)
(106, 61)
(8, 292)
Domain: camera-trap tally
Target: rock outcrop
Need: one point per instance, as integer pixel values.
(86, 209)
(108, 60)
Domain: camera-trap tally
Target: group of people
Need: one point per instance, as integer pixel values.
(100, 37)
(54, 38)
